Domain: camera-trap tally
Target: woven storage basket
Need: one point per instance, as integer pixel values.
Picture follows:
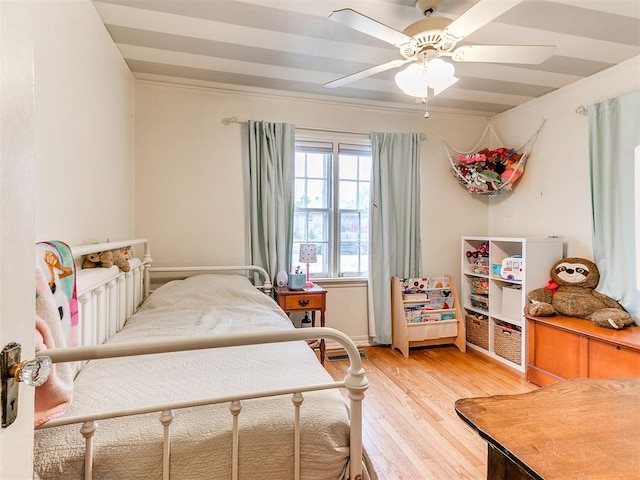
(477, 330)
(507, 343)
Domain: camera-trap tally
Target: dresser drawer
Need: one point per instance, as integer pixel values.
(302, 302)
(607, 360)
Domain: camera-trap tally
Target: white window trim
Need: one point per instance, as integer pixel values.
(335, 138)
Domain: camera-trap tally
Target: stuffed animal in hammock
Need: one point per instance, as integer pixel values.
(571, 293)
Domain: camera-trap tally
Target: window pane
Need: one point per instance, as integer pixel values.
(354, 195)
(311, 227)
(348, 167)
(300, 167)
(363, 196)
(300, 193)
(348, 194)
(321, 268)
(364, 168)
(318, 227)
(299, 227)
(349, 226)
(354, 243)
(316, 165)
(317, 194)
(364, 229)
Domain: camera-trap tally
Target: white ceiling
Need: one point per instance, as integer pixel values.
(292, 46)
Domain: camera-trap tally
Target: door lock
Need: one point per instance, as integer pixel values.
(12, 371)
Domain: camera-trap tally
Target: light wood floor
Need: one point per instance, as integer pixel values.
(410, 428)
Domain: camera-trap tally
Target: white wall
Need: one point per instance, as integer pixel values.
(189, 178)
(553, 197)
(84, 127)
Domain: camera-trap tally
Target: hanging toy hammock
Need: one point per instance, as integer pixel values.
(489, 172)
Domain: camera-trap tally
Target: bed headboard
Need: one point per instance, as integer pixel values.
(107, 297)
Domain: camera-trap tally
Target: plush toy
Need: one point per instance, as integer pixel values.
(99, 259)
(121, 258)
(118, 257)
(571, 293)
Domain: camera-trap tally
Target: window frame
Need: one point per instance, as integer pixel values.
(349, 142)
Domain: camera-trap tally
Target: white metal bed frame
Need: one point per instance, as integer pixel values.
(107, 304)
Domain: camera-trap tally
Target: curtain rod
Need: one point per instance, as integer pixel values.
(231, 120)
(582, 110)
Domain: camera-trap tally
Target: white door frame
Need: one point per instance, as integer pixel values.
(17, 220)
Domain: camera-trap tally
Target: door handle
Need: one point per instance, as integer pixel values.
(13, 371)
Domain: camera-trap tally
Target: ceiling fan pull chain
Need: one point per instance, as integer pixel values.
(426, 108)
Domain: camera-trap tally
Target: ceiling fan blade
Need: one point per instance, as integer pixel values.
(529, 54)
(366, 73)
(352, 19)
(476, 17)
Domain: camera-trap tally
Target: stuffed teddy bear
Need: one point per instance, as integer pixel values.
(99, 259)
(121, 258)
(108, 259)
(571, 293)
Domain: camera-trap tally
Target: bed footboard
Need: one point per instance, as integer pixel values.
(355, 383)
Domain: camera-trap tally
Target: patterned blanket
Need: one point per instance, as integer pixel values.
(56, 324)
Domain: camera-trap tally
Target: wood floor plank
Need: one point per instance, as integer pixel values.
(410, 428)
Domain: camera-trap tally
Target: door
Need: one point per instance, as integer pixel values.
(17, 217)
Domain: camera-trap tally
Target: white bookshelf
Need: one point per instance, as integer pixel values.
(498, 310)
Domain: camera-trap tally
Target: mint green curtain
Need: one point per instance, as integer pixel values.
(394, 222)
(614, 132)
(271, 151)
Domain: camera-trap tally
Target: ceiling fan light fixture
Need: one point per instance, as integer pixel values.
(442, 75)
(413, 81)
(416, 79)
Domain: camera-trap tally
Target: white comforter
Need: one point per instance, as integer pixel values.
(201, 438)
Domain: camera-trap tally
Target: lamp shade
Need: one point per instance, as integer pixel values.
(416, 79)
(308, 253)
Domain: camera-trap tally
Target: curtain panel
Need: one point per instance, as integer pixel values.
(614, 133)
(271, 151)
(394, 222)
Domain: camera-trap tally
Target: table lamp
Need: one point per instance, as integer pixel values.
(308, 255)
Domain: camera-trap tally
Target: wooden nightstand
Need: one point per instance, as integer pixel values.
(308, 300)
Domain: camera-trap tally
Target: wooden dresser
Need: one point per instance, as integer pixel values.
(561, 348)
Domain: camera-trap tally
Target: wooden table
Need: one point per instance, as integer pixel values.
(578, 429)
(307, 300)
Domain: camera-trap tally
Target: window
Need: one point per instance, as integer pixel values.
(331, 192)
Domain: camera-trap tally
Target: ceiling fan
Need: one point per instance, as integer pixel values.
(424, 42)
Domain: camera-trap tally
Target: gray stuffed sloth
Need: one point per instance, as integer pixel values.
(571, 293)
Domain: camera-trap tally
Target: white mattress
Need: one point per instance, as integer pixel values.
(201, 438)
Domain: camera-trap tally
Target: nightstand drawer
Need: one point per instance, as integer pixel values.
(303, 302)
